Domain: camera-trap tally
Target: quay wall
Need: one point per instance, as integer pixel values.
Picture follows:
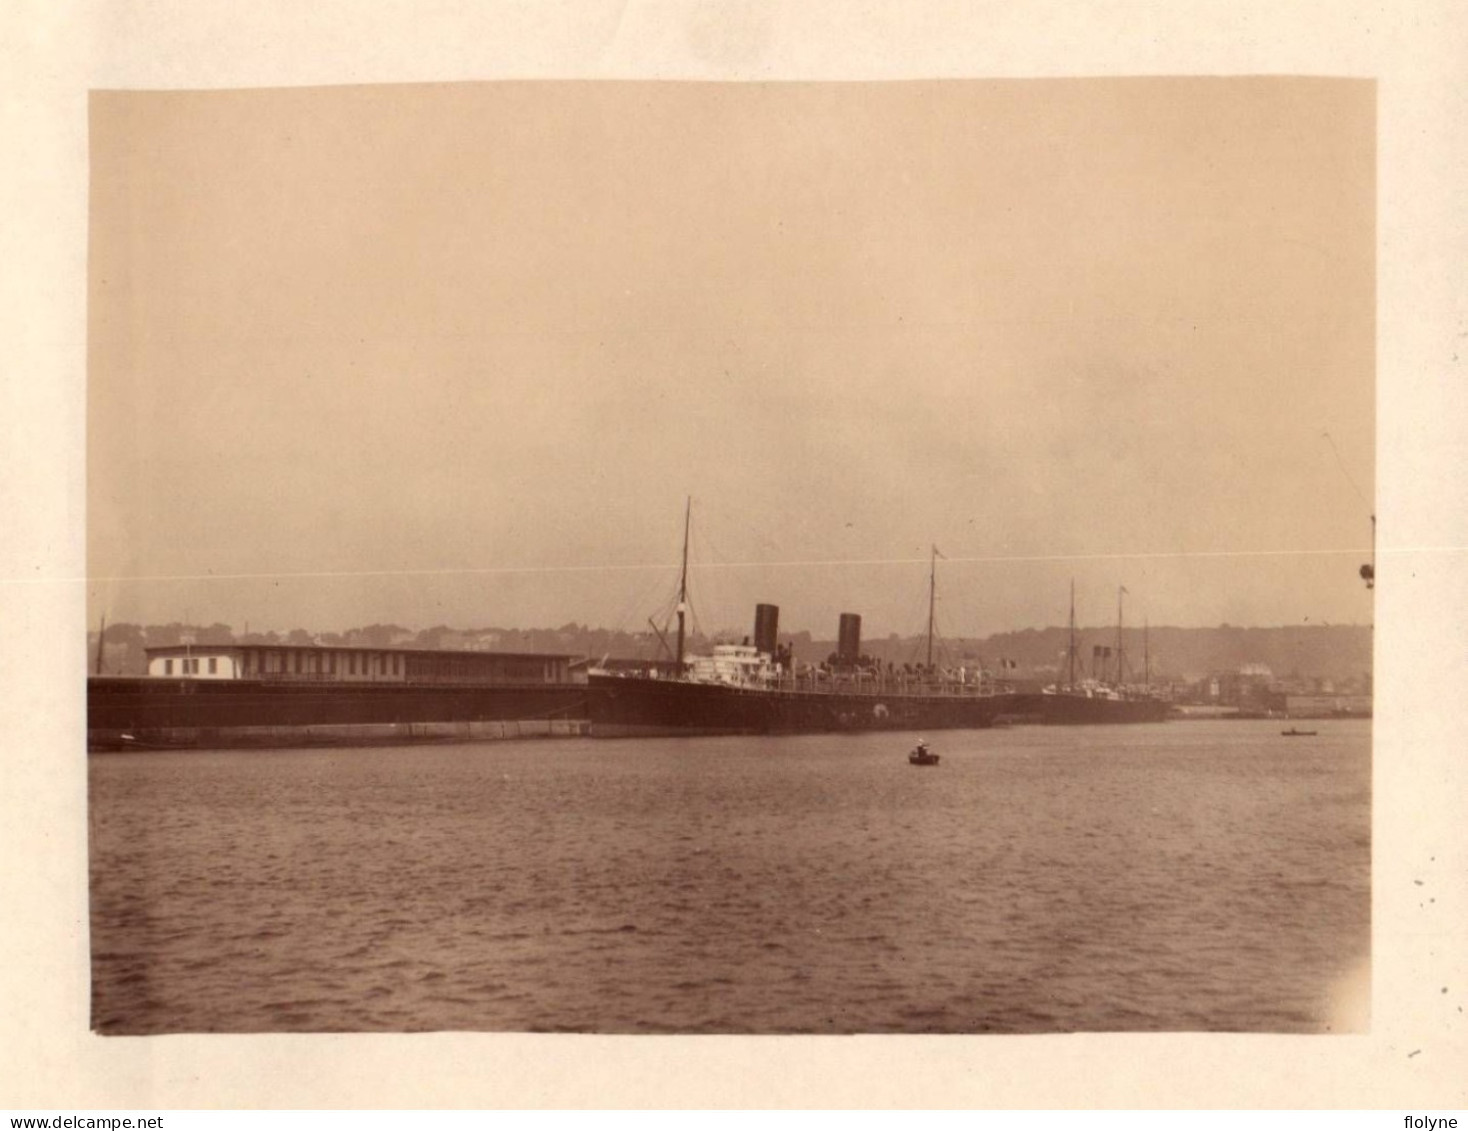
(331, 734)
(142, 712)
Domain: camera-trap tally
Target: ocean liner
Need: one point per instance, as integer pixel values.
(756, 688)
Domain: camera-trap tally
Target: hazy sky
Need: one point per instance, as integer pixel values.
(456, 354)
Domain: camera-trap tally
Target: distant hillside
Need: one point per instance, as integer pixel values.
(1335, 652)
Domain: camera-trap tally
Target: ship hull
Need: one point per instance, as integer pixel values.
(1077, 710)
(161, 713)
(622, 706)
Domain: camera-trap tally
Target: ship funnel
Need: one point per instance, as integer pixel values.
(848, 643)
(766, 628)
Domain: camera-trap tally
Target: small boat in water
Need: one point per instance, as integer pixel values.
(922, 756)
(1293, 733)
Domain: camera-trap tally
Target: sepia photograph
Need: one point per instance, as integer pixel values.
(714, 555)
(801, 558)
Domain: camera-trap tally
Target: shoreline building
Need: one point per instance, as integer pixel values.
(280, 662)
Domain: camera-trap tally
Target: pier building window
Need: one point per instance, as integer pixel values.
(167, 667)
(213, 666)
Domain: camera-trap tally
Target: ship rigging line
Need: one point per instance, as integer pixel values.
(602, 567)
(1329, 439)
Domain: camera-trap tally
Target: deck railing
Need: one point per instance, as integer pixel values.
(847, 685)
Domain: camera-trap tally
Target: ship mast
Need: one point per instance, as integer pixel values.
(1146, 655)
(1071, 685)
(1120, 671)
(932, 596)
(683, 588)
(102, 632)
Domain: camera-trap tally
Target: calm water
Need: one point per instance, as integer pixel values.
(1184, 876)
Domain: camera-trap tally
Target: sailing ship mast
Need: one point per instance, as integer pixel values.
(683, 588)
(102, 632)
(932, 596)
(1120, 671)
(1071, 685)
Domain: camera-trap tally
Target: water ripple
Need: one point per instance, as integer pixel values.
(1203, 876)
